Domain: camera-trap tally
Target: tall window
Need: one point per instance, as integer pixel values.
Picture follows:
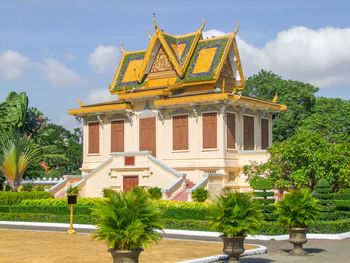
(209, 130)
(180, 132)
(117, 136)
(248, 133)
(94, 137)
(264, 133)
(231, 131)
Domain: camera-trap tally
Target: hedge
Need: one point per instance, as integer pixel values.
(266, 228)
(263, 194)
(181, 213)
(56, 210)
(15, 198)
(87, 201)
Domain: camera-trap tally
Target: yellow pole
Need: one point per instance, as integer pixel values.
(71, 230)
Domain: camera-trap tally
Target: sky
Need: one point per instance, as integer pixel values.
(60, 50)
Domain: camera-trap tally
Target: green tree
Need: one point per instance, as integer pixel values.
(331, 118)
(302, 160)
(298, 96)
(60, 148)
(15, 116)
(17, 153)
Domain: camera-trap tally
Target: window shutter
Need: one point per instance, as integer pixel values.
(248, 135)
(180, 132)
(117, 136)
(147, 133)
(209, 130)
(231, 131)
(94, 137)
(264, 133)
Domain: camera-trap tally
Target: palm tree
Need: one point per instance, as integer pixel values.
(17, 153)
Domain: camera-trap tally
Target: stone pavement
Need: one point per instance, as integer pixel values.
(319, 251)
(17, 246)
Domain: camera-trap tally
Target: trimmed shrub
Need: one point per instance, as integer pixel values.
(200, 194)
(181, 213)
(15, 198)
(155, 193)
(323, 187)
(27, 187)
(87, 201)
(261, 191)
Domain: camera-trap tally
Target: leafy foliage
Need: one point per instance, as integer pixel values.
(73, 190)
(235, 214)
(302, 160)
(331, 118)
(17, 153)
(200, 194)
(15, 198)
(126, 220)
(298, 96)
(155, 193)
(27, 187)
(297, 209)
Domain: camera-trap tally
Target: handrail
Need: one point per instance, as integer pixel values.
(202, 182)
(170, 188)
(56, 186)
(164, 166)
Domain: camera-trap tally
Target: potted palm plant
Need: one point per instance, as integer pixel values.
(126, 222)
(234, 215)
(296, 211)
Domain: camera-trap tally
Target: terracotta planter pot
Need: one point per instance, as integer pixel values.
(297, 236)
(233, 247)
(125, 256)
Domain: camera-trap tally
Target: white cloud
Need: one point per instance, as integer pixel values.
(98, 95)
(58, 74)
(12, 64)
(213, 33)
(320, 57)
(104, 59)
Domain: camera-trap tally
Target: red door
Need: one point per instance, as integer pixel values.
(148, 135)
(129, 182)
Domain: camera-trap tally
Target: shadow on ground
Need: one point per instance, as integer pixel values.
(256, 260)
(309, 251)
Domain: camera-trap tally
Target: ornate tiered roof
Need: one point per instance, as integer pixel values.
(179, 71)
(173, 62)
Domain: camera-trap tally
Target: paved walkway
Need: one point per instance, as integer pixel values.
(17, 246)
(319, 251)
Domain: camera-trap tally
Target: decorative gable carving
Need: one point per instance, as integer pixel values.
(161, 62)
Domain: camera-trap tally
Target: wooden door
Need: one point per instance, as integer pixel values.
(129, 182)
(148, 135)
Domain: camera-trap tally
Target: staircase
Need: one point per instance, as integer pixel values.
(183, 195)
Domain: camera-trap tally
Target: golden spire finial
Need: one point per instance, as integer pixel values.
(275, 98)
(121, 47)
(234, 33)
(154, 21)
(200, 30)
(149, 35)
(80, 103)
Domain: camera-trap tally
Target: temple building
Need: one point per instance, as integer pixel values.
(180, 121)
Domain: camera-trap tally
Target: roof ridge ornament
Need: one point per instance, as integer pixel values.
(149, 35)
(121, 47)
(275, 98)
(154, 21)
(234, 32)
(202, 27)
(80, 103)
